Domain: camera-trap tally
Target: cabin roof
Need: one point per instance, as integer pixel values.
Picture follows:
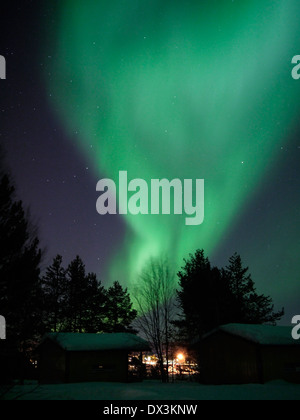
(260, 334)
(103, 341)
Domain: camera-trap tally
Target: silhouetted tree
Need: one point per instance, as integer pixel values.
(76, 293)
(248, 306)
(204, 297)
(119, 309)
(20, 257)
(84, 303)
(54, 290)
(154, 295)
(95, 304)
(209, 297)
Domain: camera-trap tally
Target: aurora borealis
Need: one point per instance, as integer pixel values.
(163, 89)
(166, 89)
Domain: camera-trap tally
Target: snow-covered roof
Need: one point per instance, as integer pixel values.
(105, 341)
(260, 334)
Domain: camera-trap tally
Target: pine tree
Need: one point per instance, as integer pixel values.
(119, 311)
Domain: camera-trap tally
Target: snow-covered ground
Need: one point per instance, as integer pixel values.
(151, 390)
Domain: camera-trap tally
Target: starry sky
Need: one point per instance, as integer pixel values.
(163, 90)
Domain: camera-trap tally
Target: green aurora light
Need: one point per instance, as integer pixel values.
(173, 89)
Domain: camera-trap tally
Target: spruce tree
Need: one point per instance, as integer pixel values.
(54, 291)
(204, 297)
(209, 297)
(76, 294)
(95, 300)
(20, 258)
(119, 309)
(20, 289)
(84, 301)
(248, 306)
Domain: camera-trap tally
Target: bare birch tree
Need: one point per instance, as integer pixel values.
(154, 296)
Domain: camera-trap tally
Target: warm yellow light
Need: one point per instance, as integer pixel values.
(180, 356)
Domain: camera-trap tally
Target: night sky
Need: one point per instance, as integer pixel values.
(161, 89)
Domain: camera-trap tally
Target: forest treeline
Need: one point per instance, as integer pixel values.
(75, 301)
(67, 298)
